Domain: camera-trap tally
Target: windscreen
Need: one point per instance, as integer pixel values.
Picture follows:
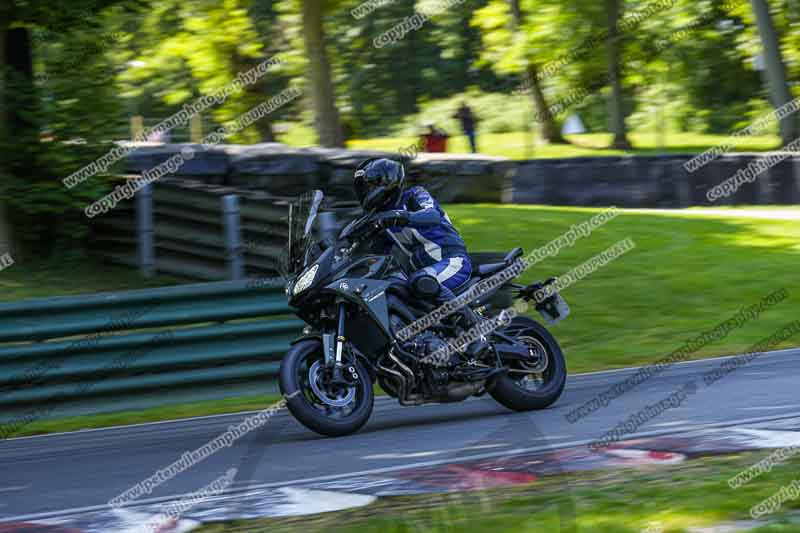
(303, 215)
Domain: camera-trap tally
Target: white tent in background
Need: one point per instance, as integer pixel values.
(573, 125)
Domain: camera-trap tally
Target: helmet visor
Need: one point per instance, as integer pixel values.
(365, 184)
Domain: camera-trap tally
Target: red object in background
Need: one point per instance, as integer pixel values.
(434, 143)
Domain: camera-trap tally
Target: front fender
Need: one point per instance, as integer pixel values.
(307, 336)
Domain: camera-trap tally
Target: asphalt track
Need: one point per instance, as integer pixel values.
(57, 475)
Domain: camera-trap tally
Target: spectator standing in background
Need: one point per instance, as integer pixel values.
(434, 140)
(468, 121)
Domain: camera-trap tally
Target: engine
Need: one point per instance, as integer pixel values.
(425, 378)
(424, 345)
(435, 374)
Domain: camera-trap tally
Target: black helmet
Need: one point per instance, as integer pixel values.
(378, 183)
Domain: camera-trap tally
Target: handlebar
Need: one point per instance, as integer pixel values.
(359, 228)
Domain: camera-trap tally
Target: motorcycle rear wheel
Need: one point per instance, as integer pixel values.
(522, 391)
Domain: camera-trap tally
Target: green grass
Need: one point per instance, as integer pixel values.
(686, 274)
(28, 279)
(625, 501)
(520, 145)
(155, 414)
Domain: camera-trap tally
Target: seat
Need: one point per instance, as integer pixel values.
(466, 285)
(490, 268)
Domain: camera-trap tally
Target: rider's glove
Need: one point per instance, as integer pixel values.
(388, 219)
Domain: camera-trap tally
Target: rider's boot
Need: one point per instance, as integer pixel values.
(470, 318)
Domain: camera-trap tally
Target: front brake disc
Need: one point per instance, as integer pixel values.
(315, 379)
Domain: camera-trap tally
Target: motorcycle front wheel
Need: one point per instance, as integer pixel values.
(328, 409)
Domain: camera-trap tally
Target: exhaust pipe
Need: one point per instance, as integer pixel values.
(457, 392)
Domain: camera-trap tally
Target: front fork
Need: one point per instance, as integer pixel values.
(333, 345)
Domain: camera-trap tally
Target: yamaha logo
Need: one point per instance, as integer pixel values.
(344, 286)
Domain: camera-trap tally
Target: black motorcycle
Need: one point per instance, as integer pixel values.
(356, 301)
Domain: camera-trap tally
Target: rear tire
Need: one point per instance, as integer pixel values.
(297, 369)
(506, 388)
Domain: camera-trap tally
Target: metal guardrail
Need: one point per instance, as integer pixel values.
(196, 230)
(130, 350)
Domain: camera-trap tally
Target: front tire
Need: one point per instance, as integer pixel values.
(513, 389)
(333, 412)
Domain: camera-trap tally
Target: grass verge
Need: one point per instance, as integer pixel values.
(669, 499)
(519, 145)
(27, 279)
(525, 145)
(155, 414)
(687, 274)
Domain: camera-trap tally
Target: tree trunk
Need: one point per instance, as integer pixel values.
(21, 103)
(615, 104)
(408, 96)
(468, 57)
(5, 230)
(258, 93)
(263, 12)
(3, 116)
(775, 71)
(549, 129)
(264, 127)
(323, 99)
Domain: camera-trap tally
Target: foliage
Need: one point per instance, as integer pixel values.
(98, 62)
(71, 99)
(181, 51)
(496, 113)
(380, 86)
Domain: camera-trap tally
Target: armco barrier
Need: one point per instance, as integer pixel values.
(199, 231)
(136, 349)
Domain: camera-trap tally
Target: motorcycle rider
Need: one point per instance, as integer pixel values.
(418, 226)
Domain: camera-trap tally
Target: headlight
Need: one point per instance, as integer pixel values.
(305, 280)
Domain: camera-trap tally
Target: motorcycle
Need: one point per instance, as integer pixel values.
(358, 307)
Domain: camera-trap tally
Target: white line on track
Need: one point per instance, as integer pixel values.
(670, 424)
(768, 407)
(421, 464)
(412, 455)
(14, 489)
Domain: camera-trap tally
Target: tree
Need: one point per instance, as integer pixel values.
(20, 97)
(323, 97)
(512, 44)
(265, 17)
(550, 132)
(33, 196)
(5, 231)
(616, 104)
(775, 70)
